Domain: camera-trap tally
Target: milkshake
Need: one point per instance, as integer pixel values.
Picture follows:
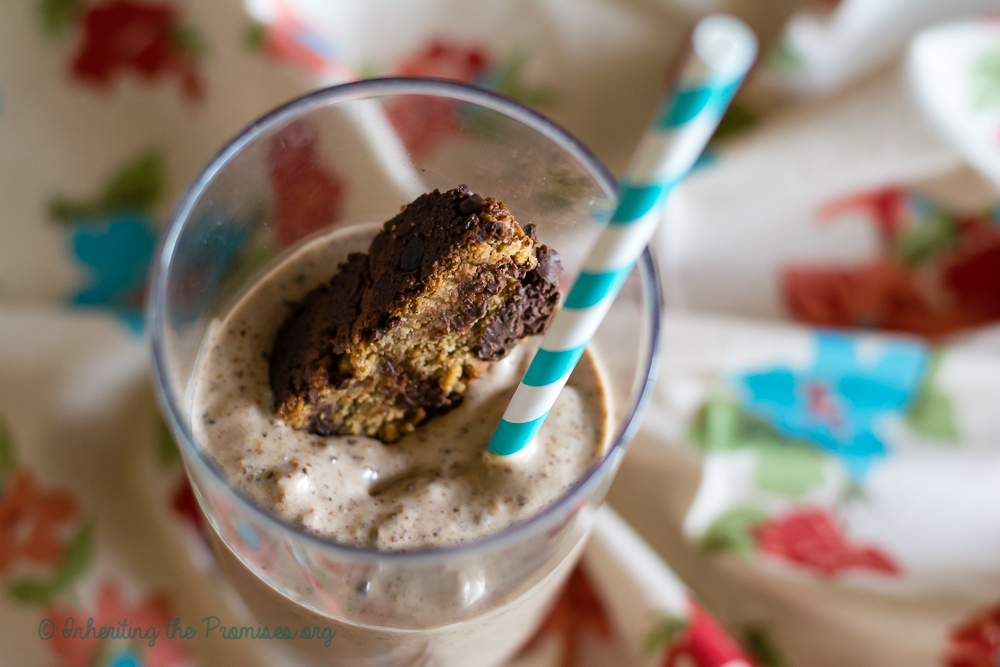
(434, 487)
(331, 485)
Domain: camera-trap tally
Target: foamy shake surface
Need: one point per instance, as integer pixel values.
(434, 487)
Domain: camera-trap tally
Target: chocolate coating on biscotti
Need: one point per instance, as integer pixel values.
(448, 285)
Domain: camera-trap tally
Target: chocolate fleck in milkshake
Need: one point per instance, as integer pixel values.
(412, 481)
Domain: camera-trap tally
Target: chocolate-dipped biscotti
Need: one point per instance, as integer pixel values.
(450, 284)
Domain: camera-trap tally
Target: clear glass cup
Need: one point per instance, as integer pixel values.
(349, 156)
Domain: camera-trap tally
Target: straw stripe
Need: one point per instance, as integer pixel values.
(531, 402)
(648, 165)
(662, 157)
(636, 201)
(570, 329)
(548, 367)
(619, 245)
(687, 104)
(692, 101)
(724, 49)
(590, 288)
(512, 437)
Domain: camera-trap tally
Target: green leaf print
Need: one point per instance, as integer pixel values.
(189, 41)
(733, 531)
(77, 557)
(925, 239)
(788, 469)
(564, 188)
(716, 425)
(58, 15)
(368, 70)
(166, 449)
(508, 81)
(785, 466)
(931, 416)
(663, 635)
(135, 187)
(723, 424)
(738, 119)
(985, 80)
(76, 560)
(758, 643)
(255, 36)
(32, 591)
(8, 455)
(784, 59)
(726, 425)
(931, 413)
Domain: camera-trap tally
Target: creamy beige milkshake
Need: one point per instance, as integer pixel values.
(434, 487)
(332, 500)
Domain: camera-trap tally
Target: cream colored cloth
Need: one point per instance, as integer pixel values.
(851, 519)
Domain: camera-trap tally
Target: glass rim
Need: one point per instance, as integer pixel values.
(170, 403)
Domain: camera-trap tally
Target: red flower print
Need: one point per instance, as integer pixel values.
(445, 61)
(185, 504)
(579, 611)
(887, 207)
(30, 521)
(423, 122)
(286, 39)
(938, 274)
(279, 41)
(308, 195)
(823, 405)
(883, 294)
(976, 642)
(705, 643)
(972, 272)
(143, 37)
(812, 539)
(879, 294)
(133, 621)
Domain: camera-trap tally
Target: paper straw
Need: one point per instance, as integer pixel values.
(722, 51)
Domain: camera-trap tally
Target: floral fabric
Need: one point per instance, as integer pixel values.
(828, 496)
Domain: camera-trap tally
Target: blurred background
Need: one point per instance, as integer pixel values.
(820, 464)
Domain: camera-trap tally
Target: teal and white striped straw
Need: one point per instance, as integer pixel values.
(723, 49)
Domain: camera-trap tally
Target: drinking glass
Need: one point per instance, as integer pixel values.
(331, 162)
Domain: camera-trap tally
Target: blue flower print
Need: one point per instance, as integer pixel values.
(116, 251)
(837, 404)
(128, 658)
(113, 235)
